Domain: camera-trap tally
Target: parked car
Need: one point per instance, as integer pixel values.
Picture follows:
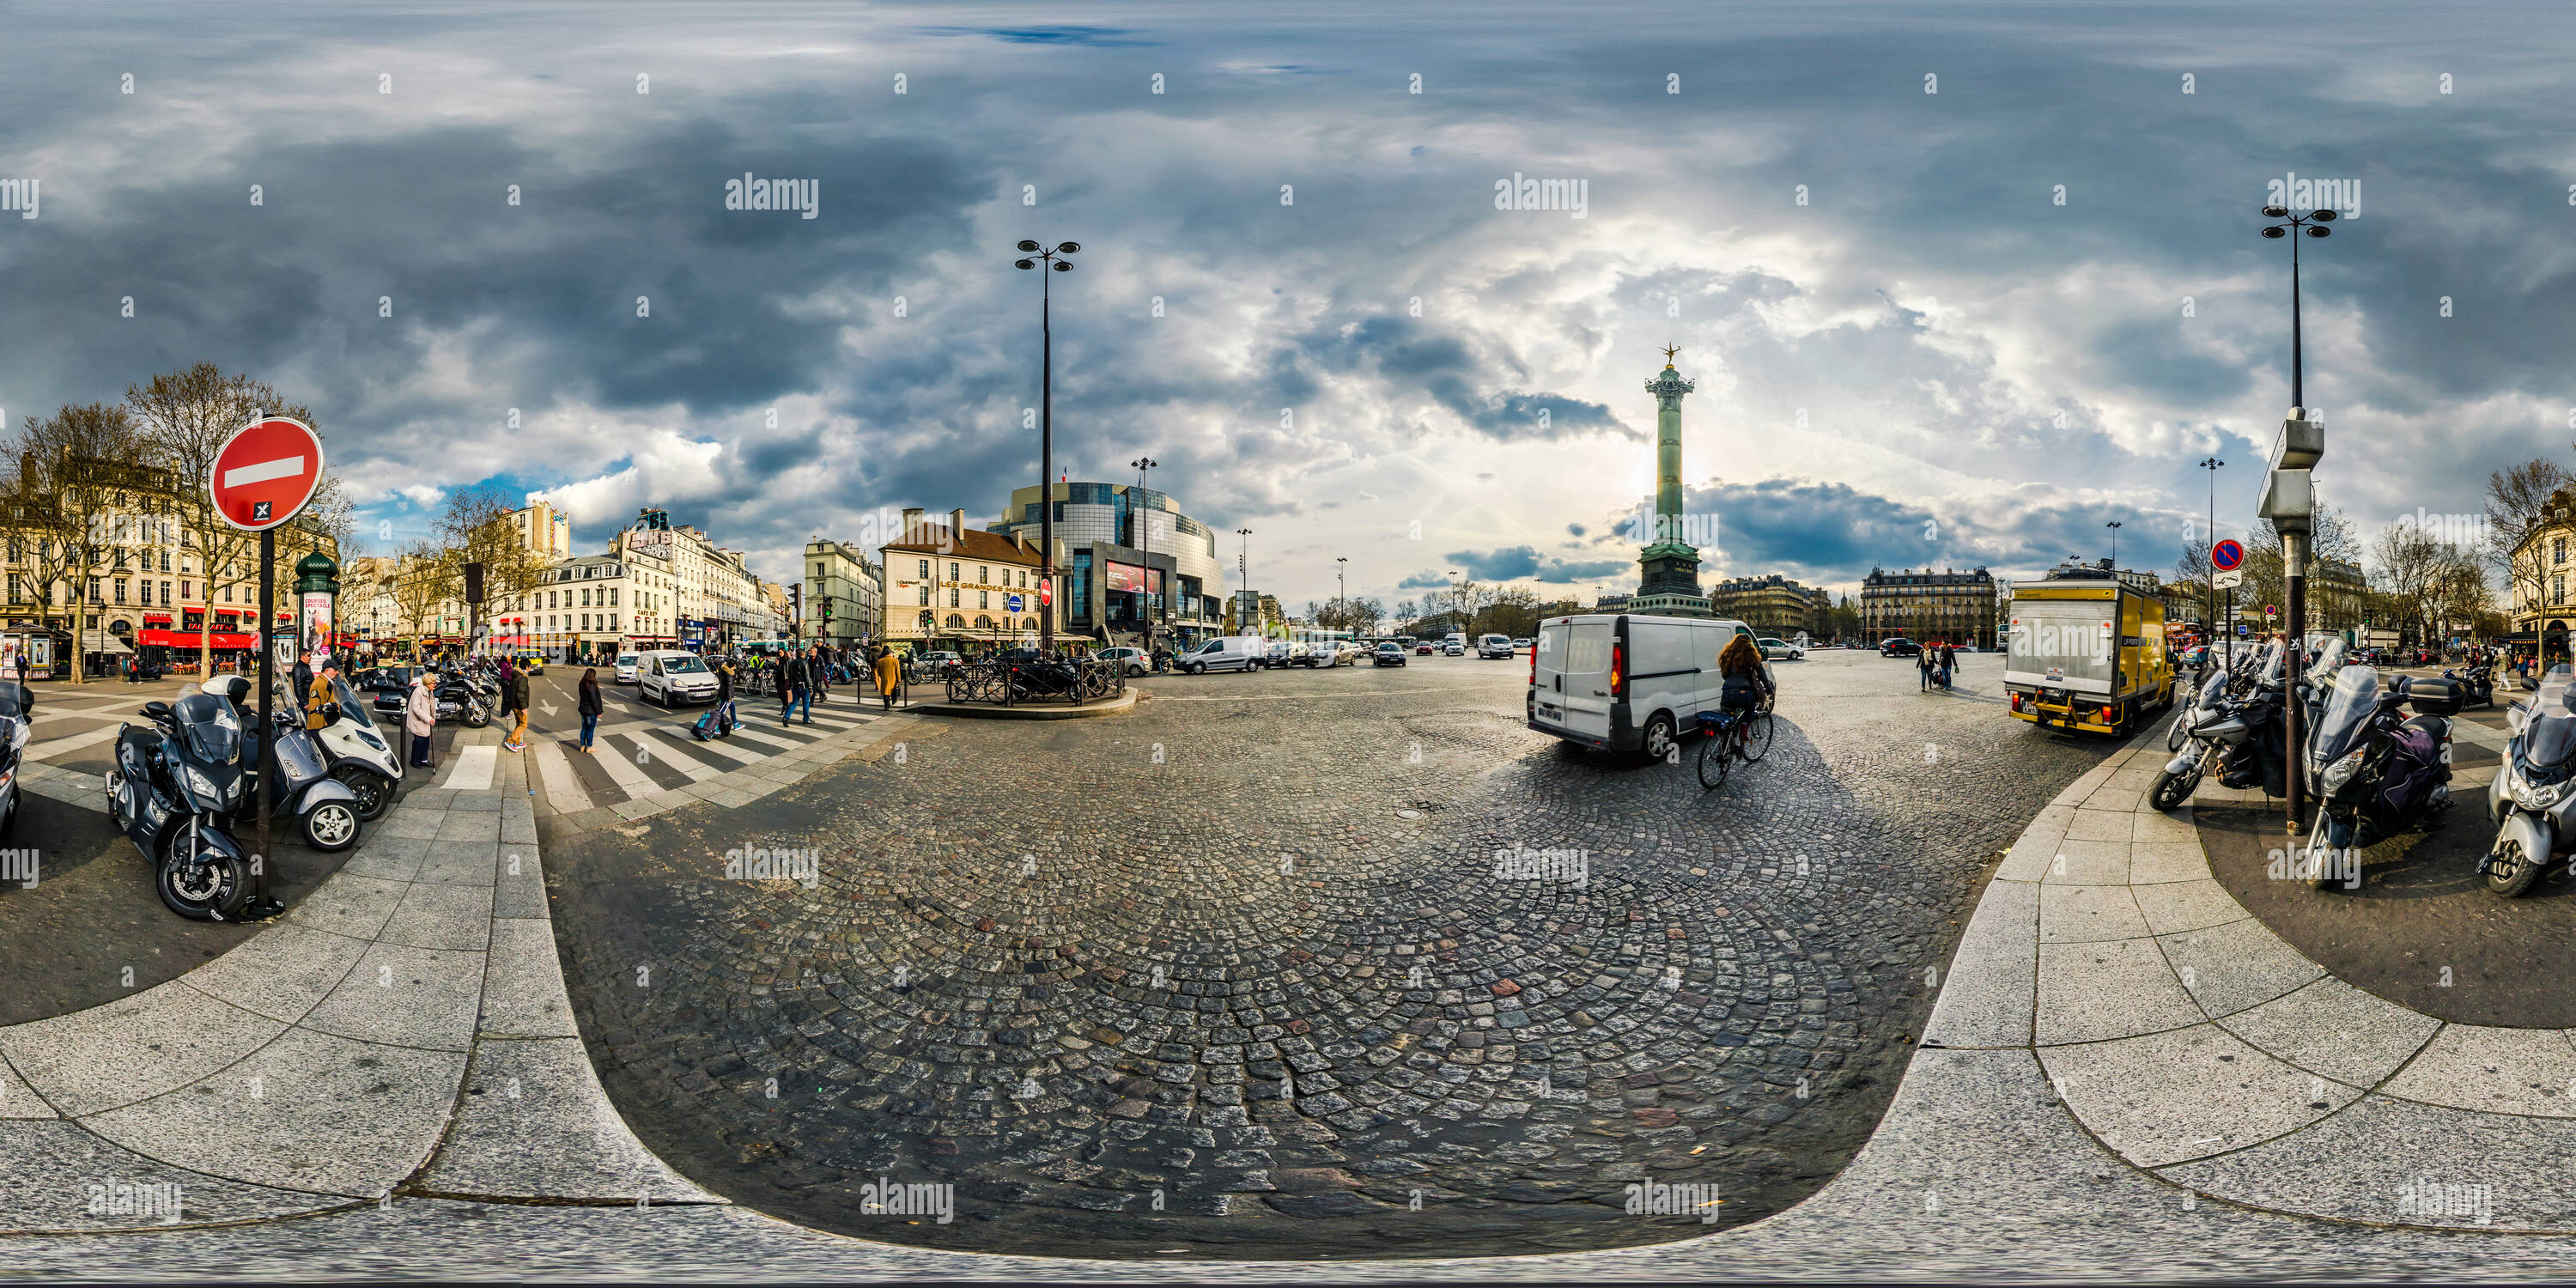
(1388, 654)
(626, 668)
(1774, 649)
(1130, 660)
(1280, 654)
(1423, 648)
(940, 661)
(1489, 647)
(532, 663)
(1453, 648)
(1226, 653)
(1899, 647)
(1524, 644)
(672, 677)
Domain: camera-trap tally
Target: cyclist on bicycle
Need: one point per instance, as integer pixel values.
(1739, 667)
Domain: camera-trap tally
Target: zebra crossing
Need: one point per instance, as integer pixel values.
(640, 761)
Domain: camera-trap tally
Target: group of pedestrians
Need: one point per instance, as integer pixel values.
(1934, 666)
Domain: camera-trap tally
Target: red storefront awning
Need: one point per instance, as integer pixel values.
(188, 639)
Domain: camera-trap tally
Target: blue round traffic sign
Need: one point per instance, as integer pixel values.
(2226, 555)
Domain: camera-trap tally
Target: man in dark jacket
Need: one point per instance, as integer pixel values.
(724, 698)
(794, 685)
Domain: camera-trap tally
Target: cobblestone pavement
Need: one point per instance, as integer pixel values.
(1238, 974)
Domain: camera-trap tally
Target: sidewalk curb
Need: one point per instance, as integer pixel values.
(402, 1030)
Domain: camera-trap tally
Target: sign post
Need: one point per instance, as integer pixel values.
(265, 475)
(2227, 572)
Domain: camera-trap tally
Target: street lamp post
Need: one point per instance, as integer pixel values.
(2289, 500)
(1247, 604)
(1051, 259)
(2114, 526)
(1144, 536)
(1342, 587)
(2210, 613)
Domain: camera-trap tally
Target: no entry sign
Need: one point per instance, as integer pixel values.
(265, 473)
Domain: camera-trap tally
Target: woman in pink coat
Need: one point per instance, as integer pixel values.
(420, 716)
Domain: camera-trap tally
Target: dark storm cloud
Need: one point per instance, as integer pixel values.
(1525, 563)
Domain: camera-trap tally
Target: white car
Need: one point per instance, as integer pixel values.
(1453, 648)
(1773, 650)
(673, 677)
(1131, 661)
(626, 668)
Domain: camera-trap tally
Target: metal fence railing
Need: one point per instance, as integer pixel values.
(1006, 684)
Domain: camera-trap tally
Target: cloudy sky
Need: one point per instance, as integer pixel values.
(1958, 284)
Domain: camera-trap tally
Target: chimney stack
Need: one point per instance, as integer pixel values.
(957, 525)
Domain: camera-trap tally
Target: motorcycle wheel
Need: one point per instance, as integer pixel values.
(331, 826)
(375, 794)
(2172, 789)
(214, 891)
(476, 720)
(2510, 872)
(2181, 730)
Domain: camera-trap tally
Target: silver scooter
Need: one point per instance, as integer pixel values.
(2533, 798)
(301, 786)
(357, 752)
(17, 715)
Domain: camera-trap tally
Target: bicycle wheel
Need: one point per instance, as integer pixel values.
(1716, 758)
(1757, 736)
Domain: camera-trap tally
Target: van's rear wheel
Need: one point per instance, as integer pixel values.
(1659, 743)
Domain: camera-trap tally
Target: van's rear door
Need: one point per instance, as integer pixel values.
(1574, 677)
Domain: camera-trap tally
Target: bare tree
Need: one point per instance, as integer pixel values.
(478, 526)
(2518, 504)
(76, 470)
(2411, 566)
(428, 576)
(184, 417)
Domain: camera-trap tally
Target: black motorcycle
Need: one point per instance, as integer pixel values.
(2476, 681)
(174, 783)
(2375, 772)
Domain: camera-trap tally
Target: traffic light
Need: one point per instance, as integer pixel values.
(827, 607)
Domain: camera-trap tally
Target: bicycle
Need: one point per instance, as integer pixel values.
(1732, 736)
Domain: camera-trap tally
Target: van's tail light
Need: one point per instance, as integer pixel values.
(1618, 670)
(1533, 664)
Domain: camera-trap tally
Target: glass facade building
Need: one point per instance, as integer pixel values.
(1129, 556)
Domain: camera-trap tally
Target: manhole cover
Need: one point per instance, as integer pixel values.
(1408, 813)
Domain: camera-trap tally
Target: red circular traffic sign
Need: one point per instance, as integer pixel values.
(1046, 594)
(2226, 555)
(265, 473)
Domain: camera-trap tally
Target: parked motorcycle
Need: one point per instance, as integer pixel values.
(17, 718)
(2375, 773)
(2243, 740)
(357, 753)
(175, 782)
(324, 808)
(2534, 792)
(2476, 681)
(463, 700)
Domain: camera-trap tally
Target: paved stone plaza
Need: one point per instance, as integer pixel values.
(1238, 972)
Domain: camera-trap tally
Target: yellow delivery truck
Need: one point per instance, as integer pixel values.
(2086, 651)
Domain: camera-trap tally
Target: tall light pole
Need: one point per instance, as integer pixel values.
(1458, 599)
(1243, 582)
(1342, 587)
(1144, 535)
(2289, 501)
(2212, 465)
(2114, 526)
(1051, 259)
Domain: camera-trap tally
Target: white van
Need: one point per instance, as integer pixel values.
(672, 676)
(1226, 653)
(1627, 683)
(1489, 647)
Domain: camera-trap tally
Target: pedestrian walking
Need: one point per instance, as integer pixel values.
(889, 675)
(724, 699)
(514, 699)
(1923, 671)
(420, 717)
(591, 706)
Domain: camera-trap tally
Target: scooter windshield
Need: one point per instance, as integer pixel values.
(2347, 717)
(351, 706)
(2550, 739)
(2329, 658)
(209, 727)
